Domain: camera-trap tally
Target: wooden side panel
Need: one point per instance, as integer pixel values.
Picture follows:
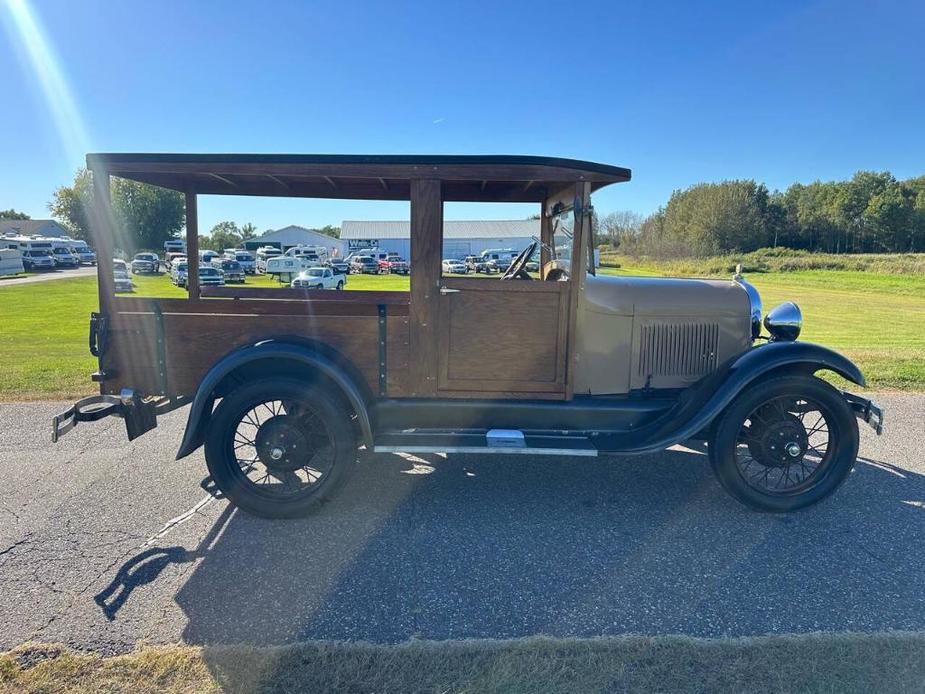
(426, 246)
(194, 341)
(502, 337)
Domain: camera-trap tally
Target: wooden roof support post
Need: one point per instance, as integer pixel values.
(102, 232)
(546, 238)
(578, 276)
(192, 245)
(426, 247)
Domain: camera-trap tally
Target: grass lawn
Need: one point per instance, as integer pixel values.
(893, 662)
(873, 318)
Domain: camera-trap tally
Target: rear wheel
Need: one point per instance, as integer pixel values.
(278, 448)
(785, 444)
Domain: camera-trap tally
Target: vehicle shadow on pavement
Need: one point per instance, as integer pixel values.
(459, 547)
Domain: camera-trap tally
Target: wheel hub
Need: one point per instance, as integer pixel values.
(780, 442)
(281, 444)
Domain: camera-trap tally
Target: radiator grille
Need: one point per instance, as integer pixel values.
(678, 349)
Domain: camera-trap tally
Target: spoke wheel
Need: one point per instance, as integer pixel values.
(784, 444)
(277, 447)
(282, 448)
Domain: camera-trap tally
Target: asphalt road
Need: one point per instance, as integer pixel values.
(104, 544)
(50, 276)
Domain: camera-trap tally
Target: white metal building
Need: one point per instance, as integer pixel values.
(460, 238)
(293, 235)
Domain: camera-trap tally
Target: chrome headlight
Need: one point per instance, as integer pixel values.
(784, 322)
(754, 301)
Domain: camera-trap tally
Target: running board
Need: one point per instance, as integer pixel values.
(503, 442)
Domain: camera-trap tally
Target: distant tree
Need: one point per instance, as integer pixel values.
(71, 205)
(248, 231)
(713, 218)
(224, 235)
(616, 227)
(13, 214)
(148, 215)
(144, 215)
(330, 230)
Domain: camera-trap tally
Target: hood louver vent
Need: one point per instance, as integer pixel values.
(678, 349)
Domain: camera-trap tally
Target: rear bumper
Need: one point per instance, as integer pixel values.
(866, 410)
(140, 416)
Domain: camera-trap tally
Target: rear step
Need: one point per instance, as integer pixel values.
(503, 441)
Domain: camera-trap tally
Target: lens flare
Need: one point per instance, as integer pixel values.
(26, 33)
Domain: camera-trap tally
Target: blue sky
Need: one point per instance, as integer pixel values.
(678, 92)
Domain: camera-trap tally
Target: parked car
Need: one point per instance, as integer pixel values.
(364, 264)
(178, 272)
(145, 264)
(244, 258)
(210, 276)
(477, 263)
(393, 264)
(338, 265)
(119, 265)
(171, 258)
(121, 280)
(319, 278)
(84, 253)
(206, 257)
(64, 256)
(231, 269)
(37, 260)
(499, 258)
(455, 266)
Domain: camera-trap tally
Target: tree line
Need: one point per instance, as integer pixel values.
(873, 212)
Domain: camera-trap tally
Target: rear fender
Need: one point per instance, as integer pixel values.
(201, 410)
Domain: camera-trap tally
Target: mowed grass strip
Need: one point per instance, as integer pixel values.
(844, 663)
(874, 319)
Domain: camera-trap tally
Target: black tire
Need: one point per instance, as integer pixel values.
(733, 444)
(270, 501)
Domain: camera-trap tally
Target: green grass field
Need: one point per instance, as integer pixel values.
(890, 662)
(873, 318)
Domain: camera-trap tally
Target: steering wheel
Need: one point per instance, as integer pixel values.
(516, 270)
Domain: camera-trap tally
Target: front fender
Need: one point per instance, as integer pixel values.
(200, 411)
(697, 409)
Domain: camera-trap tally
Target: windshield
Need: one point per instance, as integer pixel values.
(243, 257)
(315, 272)
(231, 266)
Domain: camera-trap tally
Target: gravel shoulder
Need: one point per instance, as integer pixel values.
(105, 543)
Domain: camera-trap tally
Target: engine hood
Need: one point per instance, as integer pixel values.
(664, 296)
(655, 332)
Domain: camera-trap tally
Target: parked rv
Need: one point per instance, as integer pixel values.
(264, 253)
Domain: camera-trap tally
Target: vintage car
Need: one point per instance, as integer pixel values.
(286, 387)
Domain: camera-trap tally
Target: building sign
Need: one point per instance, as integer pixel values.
(360, 244)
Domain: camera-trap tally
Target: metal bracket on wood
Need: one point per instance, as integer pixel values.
(160, 346)
(383, 334)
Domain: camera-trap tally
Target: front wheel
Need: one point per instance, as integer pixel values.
(785, 444)
(278, 448)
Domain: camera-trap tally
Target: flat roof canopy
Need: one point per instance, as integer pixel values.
(489, 178)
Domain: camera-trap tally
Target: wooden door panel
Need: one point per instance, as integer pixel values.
(502, 338)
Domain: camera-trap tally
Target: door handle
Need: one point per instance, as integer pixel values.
(447, 290)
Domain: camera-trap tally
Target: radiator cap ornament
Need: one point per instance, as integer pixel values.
(784, 322)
